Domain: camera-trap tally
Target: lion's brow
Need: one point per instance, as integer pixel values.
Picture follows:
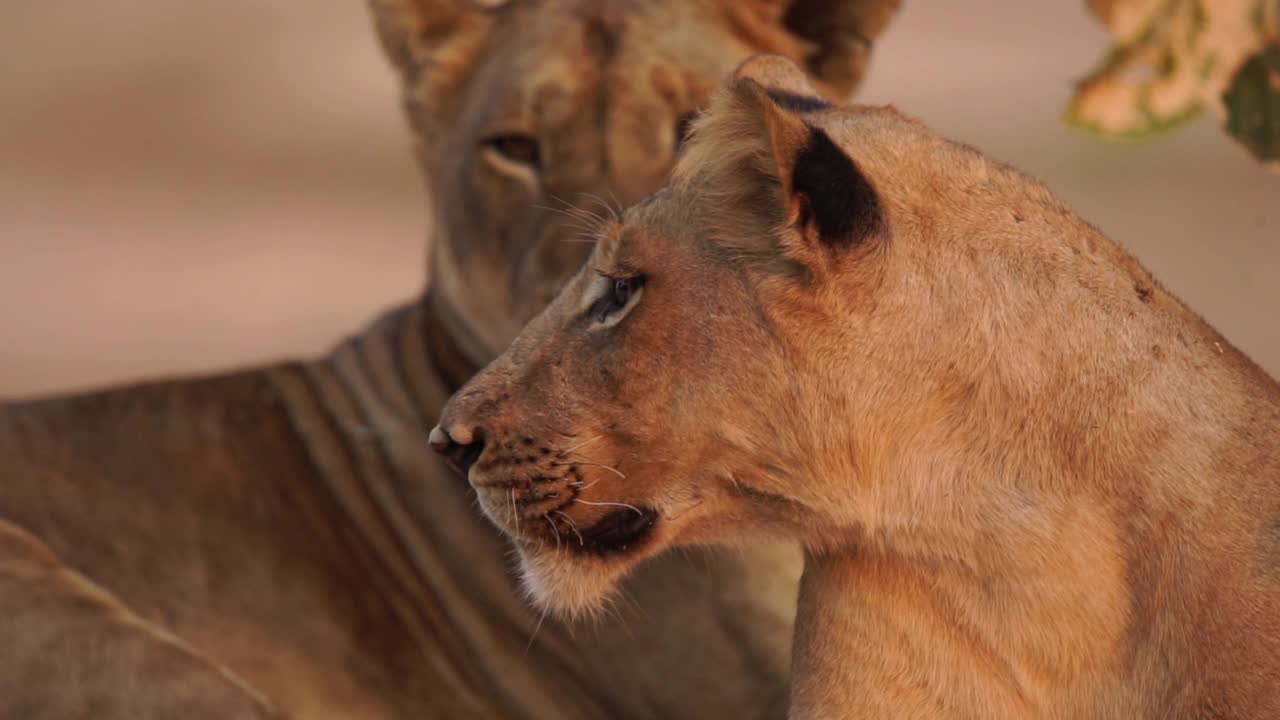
(612, 236)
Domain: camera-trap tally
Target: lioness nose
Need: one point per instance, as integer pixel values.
(462, 447)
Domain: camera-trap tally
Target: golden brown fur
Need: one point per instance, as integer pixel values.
(1028, 481)
(281, 540)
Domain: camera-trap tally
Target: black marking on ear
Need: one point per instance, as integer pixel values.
(798, 103)
(839, 200)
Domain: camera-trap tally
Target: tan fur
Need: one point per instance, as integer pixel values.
(61, 626)
(1028, 481)
(281, 540)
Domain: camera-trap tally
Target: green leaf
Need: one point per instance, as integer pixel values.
(1253, 104)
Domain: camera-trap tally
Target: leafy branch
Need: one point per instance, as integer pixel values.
(1172, 59)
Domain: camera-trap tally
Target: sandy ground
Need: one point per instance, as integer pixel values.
(186, 187)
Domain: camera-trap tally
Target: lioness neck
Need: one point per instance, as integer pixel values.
(1094, 523)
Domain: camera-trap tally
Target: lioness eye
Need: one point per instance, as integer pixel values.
(616, 297)
(517, 148)
(622, 290)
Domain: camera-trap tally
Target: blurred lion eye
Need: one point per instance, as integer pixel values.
(683, 125)
(516, 148)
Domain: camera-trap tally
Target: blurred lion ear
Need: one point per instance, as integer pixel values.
(410, 29)
(831, 39)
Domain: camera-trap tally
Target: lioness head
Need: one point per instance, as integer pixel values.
(523, 109)
(746, 340)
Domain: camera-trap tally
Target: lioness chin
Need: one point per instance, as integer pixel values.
(1028, 481)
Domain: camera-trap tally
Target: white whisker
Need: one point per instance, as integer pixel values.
(584, 443)
(632, 508)
(573, 525)
(614, 206)
(610, 207)
(541, 616)
(591, 219)
(583, 486)
(554, 530)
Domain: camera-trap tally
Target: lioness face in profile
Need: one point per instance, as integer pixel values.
(524, 109)
(693, 381)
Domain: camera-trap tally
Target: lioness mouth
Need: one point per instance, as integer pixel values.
(619, 531)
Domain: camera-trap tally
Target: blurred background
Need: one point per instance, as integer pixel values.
(195, 186)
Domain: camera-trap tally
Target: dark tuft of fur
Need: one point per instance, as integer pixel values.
(840, 201)
(798, 103)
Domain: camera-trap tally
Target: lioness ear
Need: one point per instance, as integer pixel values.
(829, 202)
(832, 39)
(828, 199)
(777, 186)
(410, 29)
